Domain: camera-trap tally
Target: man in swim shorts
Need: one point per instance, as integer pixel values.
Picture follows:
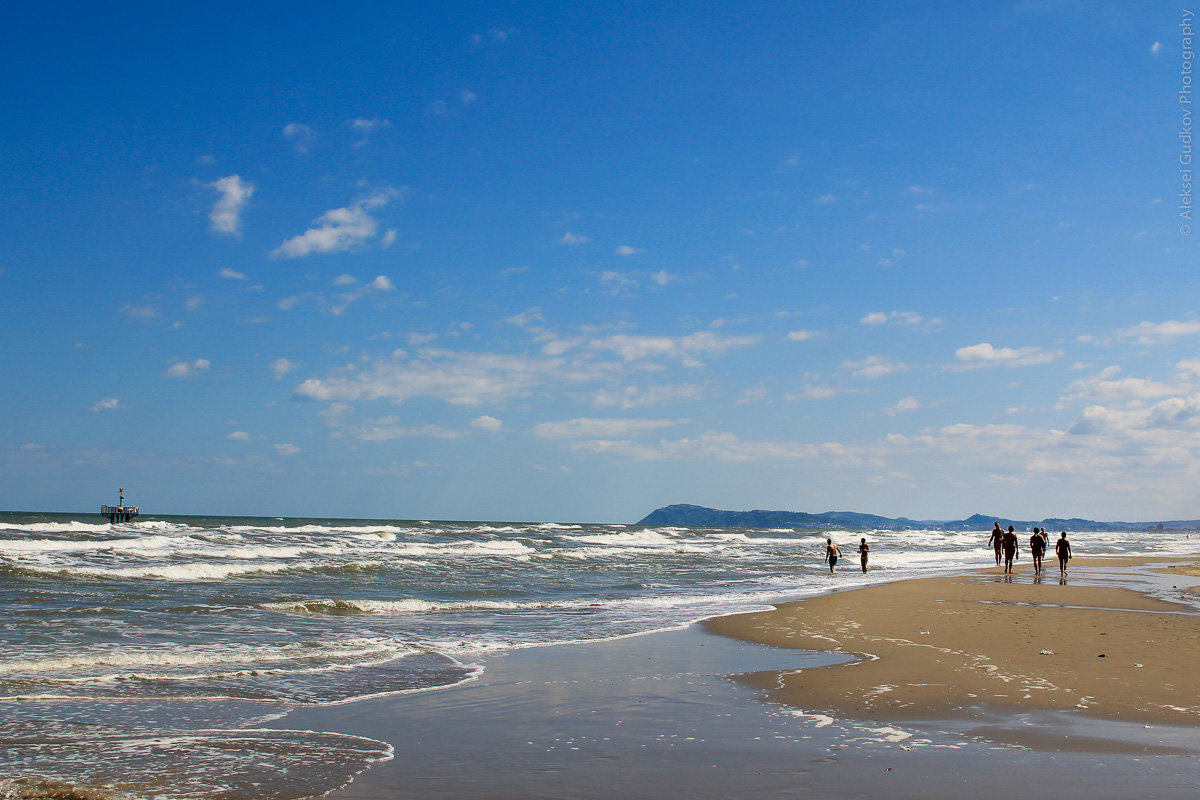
(832, 553)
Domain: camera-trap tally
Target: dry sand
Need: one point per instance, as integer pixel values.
(967, 646)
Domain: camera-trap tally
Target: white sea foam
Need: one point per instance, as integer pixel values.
(59, 527)
(198, 661)
(173, 572)
(415, 606)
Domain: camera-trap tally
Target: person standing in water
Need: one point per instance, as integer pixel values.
(863, 550)
(1010, 548)
(832, 553)
(1037, 548)
(996, 540)
(1062, 548)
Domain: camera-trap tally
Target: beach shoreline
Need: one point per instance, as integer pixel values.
(702, 713)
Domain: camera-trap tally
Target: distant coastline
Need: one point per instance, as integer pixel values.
(698, 516)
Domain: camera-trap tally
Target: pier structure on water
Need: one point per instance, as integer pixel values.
(120, 512)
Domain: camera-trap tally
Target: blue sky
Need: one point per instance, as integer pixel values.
(575, 261)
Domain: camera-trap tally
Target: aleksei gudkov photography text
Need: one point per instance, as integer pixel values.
(1185, 127)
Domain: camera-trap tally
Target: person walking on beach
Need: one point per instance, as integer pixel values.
(1010, 548)
(832, 553)
(1037, 548)
(996, 540)
(863, 550)
(1062, 548)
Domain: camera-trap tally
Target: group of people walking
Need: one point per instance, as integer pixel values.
(1005, 542)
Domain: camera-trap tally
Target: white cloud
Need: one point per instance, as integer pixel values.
(755, 394)
(1106, 387)
(143, 313)
(1189, 368)
(1159, 332)
(366, 127)
(662, 277)
(617, 282)
(813, 391)
(456, 378)
(226, 214)
(558, 347)
(285, 449)
(386, 429)
(903, 406)
(826, 200)
(475, 378)
(301, 136)
(239, 436)
(389, 238)
(586, 428)
(187, 369)
(626, 250)
(984, 354)
(572, 239)
(106, 404)
(344, 300)
(633, 348)
(716, 446)
(902, 317)
(803, 335)
(1156, 48)
(281, 367)
(339, 229)
(639, 397)
(486, 423)
(528, 318)
(232, 274)
(874, 367)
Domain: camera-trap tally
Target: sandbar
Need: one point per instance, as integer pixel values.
(970, 646)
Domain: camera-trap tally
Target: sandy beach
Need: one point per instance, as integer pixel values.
(967, 646)
(920, 689)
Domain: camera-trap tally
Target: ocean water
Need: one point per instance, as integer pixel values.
(150, 659)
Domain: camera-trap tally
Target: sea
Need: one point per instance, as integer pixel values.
(155, 659)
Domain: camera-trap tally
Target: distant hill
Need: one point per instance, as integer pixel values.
(691, 516)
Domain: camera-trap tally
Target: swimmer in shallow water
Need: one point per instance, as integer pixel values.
(832, 553)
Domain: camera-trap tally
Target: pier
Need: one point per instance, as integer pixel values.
(120, 512)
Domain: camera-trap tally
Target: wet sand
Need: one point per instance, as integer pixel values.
(962, 647)
(696, 715)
